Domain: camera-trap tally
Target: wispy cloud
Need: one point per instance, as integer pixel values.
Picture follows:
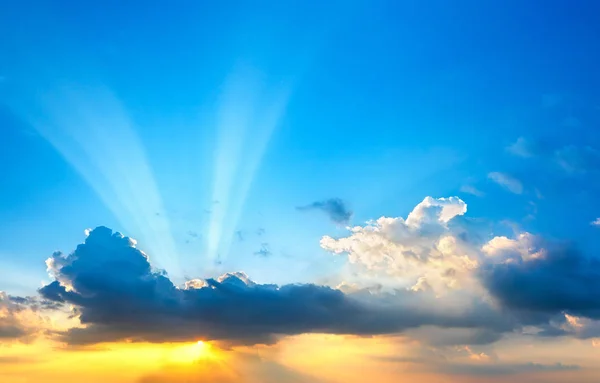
(469, 189)
(264, 250)
(520, 148)
(507, 181)
(596, 222)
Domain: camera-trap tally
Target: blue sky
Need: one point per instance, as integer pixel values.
(379, 105)
(421, 167)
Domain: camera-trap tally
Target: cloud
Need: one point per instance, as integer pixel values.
(441, 282)
(468, 361)
(530, 274)
(508, 182)
(423, 250)
(335, 208)
(596, 222)
(472, 190)
(520, 148)
(577, 160)
(490, 369)
(264, 250)
(119, 296)
(18, 319)
(532, 281)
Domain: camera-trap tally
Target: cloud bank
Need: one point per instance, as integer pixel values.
(447, 280)
(117, 296)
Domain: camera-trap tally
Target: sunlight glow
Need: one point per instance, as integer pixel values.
(191, 353)
(248, 114)
(90, 128)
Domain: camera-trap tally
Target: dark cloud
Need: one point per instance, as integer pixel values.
(559, 279)
(119, 296)
(335, 208)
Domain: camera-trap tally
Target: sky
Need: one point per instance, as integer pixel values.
(299, 191)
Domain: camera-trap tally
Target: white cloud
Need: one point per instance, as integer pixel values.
(520, 148)
(524, 247)
(596, 222)
(577, 160)
(472, 190)
(507, 181)
(421, 250)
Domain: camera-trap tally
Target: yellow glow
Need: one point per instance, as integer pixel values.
(190, 353)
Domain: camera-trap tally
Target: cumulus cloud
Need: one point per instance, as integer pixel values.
(119, 296)
(422, 249)
(532, 281)
(335, 208)
(596, 222)
(450, 286)
(507, 181)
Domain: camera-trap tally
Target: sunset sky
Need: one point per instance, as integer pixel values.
(299, 191)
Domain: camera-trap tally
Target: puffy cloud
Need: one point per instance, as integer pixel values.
(507, 181)
(119, 296)
(422, 250)
(449, 281)
(596, 222)
(335, 208)
(532, 282)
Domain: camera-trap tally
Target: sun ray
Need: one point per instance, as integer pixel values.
(90, 128)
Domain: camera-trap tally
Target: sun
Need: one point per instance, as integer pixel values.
(202, 347)
(191, 353)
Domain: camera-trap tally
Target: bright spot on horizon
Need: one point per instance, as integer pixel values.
(194, 352)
